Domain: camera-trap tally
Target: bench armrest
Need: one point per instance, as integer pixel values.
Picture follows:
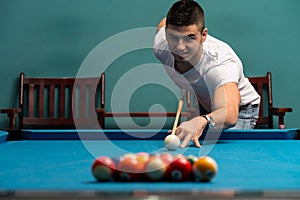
(12, 113)
(280, 112)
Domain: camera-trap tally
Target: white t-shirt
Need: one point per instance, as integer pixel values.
(218, 65)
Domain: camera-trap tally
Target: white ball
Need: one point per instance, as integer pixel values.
(172, 142)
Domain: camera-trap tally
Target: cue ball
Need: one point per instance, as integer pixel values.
(103, 168)
(172, 142)
(205, 169)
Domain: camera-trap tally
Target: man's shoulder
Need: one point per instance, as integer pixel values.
(161, 49)
(213, 41)
(215, 47)
(160, 39)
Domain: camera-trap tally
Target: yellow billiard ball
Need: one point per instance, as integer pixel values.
(205, 169)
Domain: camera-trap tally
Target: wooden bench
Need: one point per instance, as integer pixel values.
(263, 85)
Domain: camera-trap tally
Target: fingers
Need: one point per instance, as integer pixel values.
(196, 141)
(182, 136)
(187, 137)
(186, 140)
(177, 131)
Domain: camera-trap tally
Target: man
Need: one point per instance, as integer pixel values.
(209, 68)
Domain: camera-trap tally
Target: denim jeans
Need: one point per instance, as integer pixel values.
(248, 116)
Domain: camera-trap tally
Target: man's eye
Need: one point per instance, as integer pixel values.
(189, 39)
(172, 37)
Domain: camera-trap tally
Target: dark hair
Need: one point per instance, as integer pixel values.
(185, 13)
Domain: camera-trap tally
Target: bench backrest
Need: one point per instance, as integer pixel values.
(263, 85)
(58, 102)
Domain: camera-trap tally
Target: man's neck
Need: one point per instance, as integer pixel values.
(182, 67)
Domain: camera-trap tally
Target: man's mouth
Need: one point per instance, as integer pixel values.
(181, 55)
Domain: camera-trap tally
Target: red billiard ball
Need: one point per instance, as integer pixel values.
(179, 170)
(155, 168)
(205, 169)
(103, 168)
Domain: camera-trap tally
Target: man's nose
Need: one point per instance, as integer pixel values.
(180, 45)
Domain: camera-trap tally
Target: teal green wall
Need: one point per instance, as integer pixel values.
(53, 38)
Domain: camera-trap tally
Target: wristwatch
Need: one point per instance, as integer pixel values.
(210, 121)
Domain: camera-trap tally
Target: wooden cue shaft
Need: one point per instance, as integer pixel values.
(180, 104)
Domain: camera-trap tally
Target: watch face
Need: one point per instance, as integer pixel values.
(211, 122)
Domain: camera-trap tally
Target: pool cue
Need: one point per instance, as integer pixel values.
(179, 108)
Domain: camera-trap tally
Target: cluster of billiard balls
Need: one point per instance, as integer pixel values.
(159, 167)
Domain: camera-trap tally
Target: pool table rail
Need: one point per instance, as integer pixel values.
(153, 134)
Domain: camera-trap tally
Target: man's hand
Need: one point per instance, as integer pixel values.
(191, 130)
(161, 24)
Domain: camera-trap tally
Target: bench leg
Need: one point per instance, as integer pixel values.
(281, 121)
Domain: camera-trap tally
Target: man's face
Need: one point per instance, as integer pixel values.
(185, 42)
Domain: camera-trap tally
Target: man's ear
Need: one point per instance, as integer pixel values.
(204, 34)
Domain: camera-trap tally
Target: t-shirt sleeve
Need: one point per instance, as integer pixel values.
(227, 69)
(160, 47)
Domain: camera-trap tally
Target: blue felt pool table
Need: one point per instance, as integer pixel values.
(253, 164)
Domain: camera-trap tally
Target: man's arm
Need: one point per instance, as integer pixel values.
(225, 113)
(161, 24)
(226, 102)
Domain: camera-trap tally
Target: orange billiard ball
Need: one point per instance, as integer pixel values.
(129, 155)
(167, 157)
(129, 169)
(142, 157)
(205, 169)
(103, 168)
